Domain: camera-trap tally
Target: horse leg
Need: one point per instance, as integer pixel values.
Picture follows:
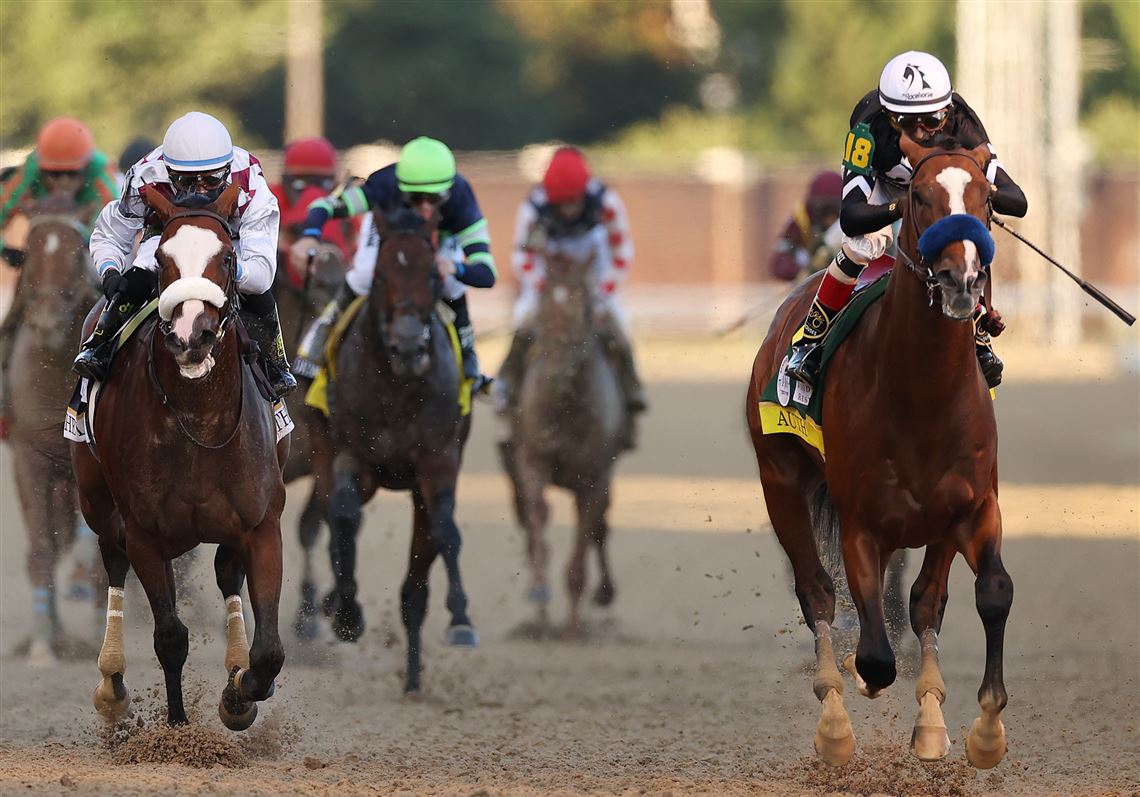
(604, 594)
(929, 740)
(873, 664)
(437, 484)
(532, 481)
(791, 520)
(261, 557)
(592, 499)
(171, 638)
(36, 500)
(414, 591)
(230, 575)
(993, 595)
(111, 698)
(347, 506)
(309, 528)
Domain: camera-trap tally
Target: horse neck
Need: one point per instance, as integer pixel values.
(58, 270)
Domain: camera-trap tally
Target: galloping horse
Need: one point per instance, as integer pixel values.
(397, 424)
(911, 446)
(310, 449)
(56, 289)
(566, 432)
(186, 454)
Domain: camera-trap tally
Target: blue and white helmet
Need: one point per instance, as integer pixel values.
(197, 142)
(915, 82)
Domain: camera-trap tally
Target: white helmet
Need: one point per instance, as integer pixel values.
(914, 82)
(197, 142)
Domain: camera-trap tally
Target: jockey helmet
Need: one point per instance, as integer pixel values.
(826, 185)
(197, 142)
(64, 145)
(426, 166)
(311, 156)
(134, 152)
(566, 177)
(915, 82)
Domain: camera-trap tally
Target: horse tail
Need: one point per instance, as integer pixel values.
(829, 545)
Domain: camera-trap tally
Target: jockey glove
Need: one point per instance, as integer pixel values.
(15, 257)
(113, 283)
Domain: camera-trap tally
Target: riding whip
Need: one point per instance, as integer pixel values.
(1087, 287)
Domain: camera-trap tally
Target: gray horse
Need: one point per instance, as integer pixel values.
(53, 295)
(567, 431)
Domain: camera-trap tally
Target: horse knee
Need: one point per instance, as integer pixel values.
(993, 594)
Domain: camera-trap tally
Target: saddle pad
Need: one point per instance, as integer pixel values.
(317, 396)
(787, 406)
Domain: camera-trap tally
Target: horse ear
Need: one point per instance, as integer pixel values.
(380, 220)
(912, 149)
(158, 202)
(224, 206)
(981, 155)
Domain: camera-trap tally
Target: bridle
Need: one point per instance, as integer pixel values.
(423, 314)
(922, 269)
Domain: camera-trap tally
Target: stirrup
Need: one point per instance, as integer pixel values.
(92, 363)
(804, 362)
(992, 367)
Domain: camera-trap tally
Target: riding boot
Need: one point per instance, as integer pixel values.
(311, 353)
(94, 356)
(466, 333)
(617, 344)
(805, 360)
(992, 367)
(512, 370)
(260, 317)
(8, 331)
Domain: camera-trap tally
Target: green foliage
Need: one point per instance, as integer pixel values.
(1110, 99)
(130, 68)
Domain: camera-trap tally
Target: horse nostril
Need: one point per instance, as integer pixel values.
(173, 342)
(946, 279)
(203, 338)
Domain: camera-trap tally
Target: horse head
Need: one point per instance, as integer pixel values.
(945, 236)
(405, 288)
(198, 278)
(567, 303)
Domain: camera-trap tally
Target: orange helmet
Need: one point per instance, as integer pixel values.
(64, 145)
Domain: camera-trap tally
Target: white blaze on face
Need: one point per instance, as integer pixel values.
(191, 249)
(955, 180)
(51, 244)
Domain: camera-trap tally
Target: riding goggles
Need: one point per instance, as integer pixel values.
(298, 184)
(416, 198)
(61, 173)
(932, 122)
(188, 181)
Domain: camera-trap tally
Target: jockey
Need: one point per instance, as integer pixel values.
(914, 99)
(195, 163)
(423, 179)
(812, 235)
(64, 159)
(309, 174)
(570, 206)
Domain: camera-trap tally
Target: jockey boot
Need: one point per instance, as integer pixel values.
(512, 370)
(94, 356)
(992, 367)
(265, 329)
(311, 352)
(804, 362)
(621, 353)
(466, 333)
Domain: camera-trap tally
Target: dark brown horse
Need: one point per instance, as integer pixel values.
(397, 424)
(55, 291)
(911, 446)
(567, 432)
(310, 446)
(187, 455)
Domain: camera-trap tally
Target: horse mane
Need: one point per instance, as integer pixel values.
(403, 219)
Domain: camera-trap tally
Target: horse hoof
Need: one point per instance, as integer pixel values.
(462, 636)
(834, 739)
(238, 719)
(112, 699)
(985, 747)
(539, 594)
(40, 654)
(348, 622)
(329, 604)
(834, 752)
(929, 743)
(604, 594)
(306, 627)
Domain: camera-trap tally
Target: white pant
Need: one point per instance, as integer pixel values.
(865, 248)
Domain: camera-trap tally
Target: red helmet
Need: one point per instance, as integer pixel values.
(64, 145)
(311, 156)
(566, 177)
(826, 185)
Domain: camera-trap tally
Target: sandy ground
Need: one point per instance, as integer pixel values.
(695, 682)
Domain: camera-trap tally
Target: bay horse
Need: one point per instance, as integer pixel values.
(911, 460)
(567, 431)
(55, 290)
(310, 447)
(396, 423)
(187, 454)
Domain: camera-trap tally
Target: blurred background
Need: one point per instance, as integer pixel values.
(708, 117)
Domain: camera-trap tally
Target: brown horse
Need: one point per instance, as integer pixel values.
(911, 446)
(186, 455)
(310, 445)
(55, 290)
(566, 432)
(397, 424)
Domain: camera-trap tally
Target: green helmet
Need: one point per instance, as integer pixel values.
(425, 166)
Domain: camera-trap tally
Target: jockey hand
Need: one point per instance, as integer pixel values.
(299, 252)
(15, 257)
(445, 264)
(113, 283)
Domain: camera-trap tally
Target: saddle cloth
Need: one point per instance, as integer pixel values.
(317, 395)
(79, 421)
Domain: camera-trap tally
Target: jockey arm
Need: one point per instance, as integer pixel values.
(616, 222)
(857, 215)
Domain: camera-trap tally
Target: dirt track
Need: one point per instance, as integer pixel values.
(694, 683)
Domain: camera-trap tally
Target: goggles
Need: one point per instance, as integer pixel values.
(417, 198)
(61, 173)
(931, 122)
(299, 184)
(211, 181)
